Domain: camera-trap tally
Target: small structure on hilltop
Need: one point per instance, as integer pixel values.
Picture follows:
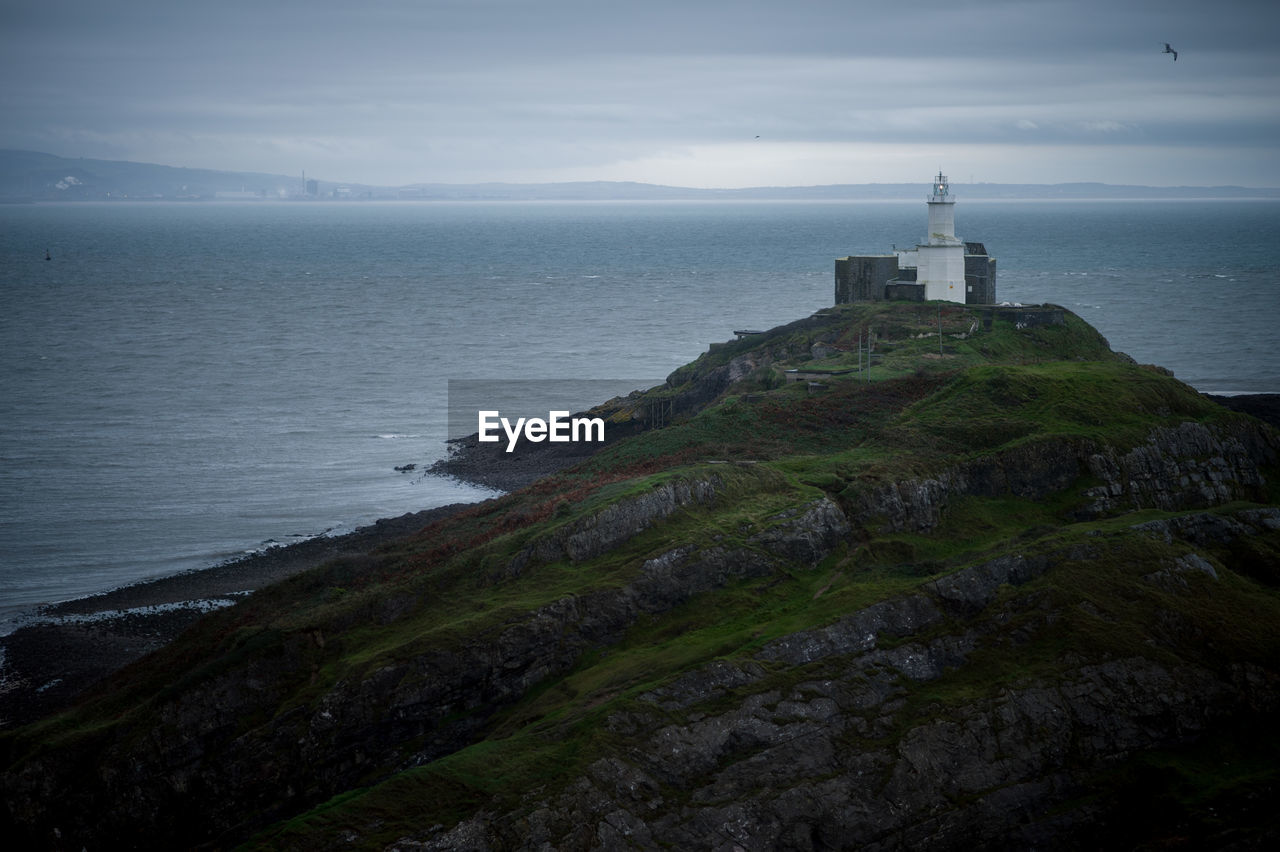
(944, 267)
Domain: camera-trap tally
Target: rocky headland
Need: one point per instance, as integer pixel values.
(1013, 591)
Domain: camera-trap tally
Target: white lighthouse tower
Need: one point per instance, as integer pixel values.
(940, 264)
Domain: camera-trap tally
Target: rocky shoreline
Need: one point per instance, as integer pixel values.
(72, 645)
(69, 646)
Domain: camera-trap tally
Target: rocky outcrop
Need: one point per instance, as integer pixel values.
(1188, 466)
(1176, 577)
(1207, 529)
(696, 385)
(857, 633)
(725, 757)
(436, 698)
(805, 534)
(618, 522)
(1035, 470)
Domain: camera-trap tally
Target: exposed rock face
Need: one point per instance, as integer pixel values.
(698, 388)
(438, 698)
(1187, 467)
(1206, 529)
(805, 534)
(1190, 466)
(619, 522)
(766, 770)
(915, 505)
(773, 767)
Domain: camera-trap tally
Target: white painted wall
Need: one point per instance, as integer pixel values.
(941, 271)
(942, 222)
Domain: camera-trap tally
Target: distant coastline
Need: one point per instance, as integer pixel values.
(31, 176)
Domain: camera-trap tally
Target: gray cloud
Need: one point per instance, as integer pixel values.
(671, 92)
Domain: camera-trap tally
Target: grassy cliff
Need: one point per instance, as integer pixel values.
(1002, 587)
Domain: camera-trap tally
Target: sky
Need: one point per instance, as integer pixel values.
(697, 93)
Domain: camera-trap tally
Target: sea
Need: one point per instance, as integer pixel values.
(185, 383)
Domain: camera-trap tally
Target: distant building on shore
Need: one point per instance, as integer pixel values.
(944, 267)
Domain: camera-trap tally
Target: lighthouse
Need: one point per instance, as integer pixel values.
(942, 268)
(940, 258)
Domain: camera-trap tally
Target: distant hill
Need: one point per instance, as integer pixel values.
(30, 175)
(34, 176)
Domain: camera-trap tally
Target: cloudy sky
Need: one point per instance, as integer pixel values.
(711, 93)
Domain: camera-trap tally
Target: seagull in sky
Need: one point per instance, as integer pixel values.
(1168, 49)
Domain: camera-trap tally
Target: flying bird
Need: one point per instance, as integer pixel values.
(1168, 49)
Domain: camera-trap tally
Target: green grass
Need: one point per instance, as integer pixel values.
(994, 405)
